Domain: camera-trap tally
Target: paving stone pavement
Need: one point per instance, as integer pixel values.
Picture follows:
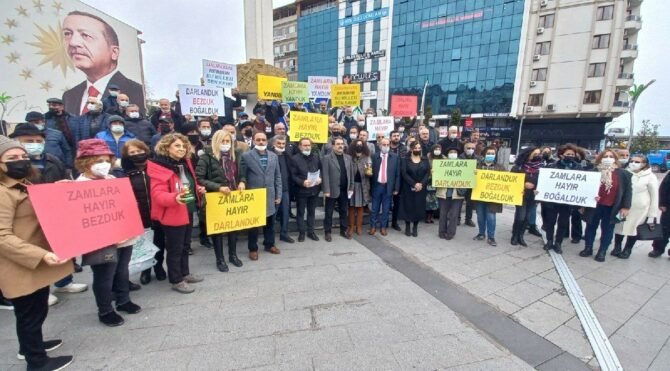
(631, 298)
(317, 306)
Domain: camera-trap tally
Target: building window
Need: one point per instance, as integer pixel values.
(535, 99)
(277, 50)
(456, 54)
(601, 41)
(291, 29)
(543, 48)
(291, 47)
(547, 21)
(592, 97)
(539, 74)
(605, 13)
(596, 69)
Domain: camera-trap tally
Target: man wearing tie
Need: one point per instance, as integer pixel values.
(385, 184)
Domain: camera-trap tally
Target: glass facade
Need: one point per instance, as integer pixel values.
(467, 50)
(317, 43)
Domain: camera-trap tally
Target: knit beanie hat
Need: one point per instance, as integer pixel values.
(6, 144)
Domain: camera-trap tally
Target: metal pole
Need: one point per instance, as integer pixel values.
(632, 124)
(518, 142)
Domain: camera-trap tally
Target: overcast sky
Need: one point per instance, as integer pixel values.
(179, 34)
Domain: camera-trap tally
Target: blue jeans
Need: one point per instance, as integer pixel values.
(64, 282)
(486, 220)
(282, 214)
(532, 216)
(380, 198)
(601, 217)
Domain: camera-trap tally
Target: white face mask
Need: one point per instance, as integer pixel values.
(261, 148)
(635, 166)
(385, 149)
(452, 156)
(469, 152)
(437, 153)
(607, 161)
(353, 136)
(307, 152)
(361, 123)
(431, 124)
(101, 169)
(205, 132)
(117, 129)
(134, 115)
(452, 136)
(401, 129)
(113, 93)
(91, 107)
(280, 150)
(124, 103)
(225, 148)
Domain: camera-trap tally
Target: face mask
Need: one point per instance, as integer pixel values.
(18, 169)
(53, 110)
(247, 133)
(349, 114)
(101, 169)
(416, 152)
(113, 93)
(535, 159)
(361, 123)
(193, 138)
(117, 129)
(546, 156)
(41, 127)
(34, 149)
(385, 149)
(623, 161)
(124, 103)
(279, 150)
(205, 132)
(369, 115)
(261, 148)
(260, 118)
(607, 161)
(431, 124)
(91, 107)
(353, 136)
(452, 156)
(437, 153)
(139, 158)
(401, 129)
(165, 129)
(225, 148)
(635, 166)
(452, 136)
(134, 115)
(469, 152)
(307, 152)
(489, 158)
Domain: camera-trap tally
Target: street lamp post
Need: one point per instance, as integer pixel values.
(518, 142)
(635, 95)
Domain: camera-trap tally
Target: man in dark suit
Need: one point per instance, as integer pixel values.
(93, 46)
(338, 181)
(303, 164)
(385, 184)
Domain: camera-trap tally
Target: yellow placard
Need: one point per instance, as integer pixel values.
(269, 87)
(309, 125)
(500, 187)
(345, 95)
(235, 211)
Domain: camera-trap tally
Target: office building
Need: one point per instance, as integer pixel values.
(285, 39)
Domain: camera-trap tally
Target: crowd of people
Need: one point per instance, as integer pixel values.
(172, 160)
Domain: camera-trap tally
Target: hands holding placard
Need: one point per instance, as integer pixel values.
(224, 190)
(52, 259)
(418, 187)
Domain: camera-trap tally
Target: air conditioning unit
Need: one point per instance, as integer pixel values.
(544, 3)
(529, 109)
(540, 30)
(536, 57)
(533, 84)
(551, 108)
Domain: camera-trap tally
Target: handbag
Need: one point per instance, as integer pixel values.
(102, 256)
(143, 253)
(649, 231)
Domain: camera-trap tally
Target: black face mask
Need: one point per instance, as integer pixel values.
(417, 152)
(247, 133)
(18, 169)
(546, 156)
(139, 158)
(194, 138)
(165, 129)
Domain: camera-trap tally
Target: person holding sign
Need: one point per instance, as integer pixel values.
(486, 211)
(27, 262)
(306, 175)
(528, 162)
(612, 204)
(450, 200)
(217, 171)
(414, 175)
(174, 196)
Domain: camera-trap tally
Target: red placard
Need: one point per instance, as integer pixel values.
(80, 217)
(469, 122)
(403, 105)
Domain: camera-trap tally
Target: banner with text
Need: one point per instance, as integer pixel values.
(309, 125)
(219, 75)
(269, 87)
(201, 101)
(295, 92)
(571, 187)
(100, 213)
(454, 173)
(499, 187)
(345, 94)
(377, 125)
(235, 211)
(404, 105)
(319, 86)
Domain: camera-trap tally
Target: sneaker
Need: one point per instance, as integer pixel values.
(492, 242)
(183, 287)
(6, 304)
(479, 237)
(72, 288)
(111, 319)
(48, 346)
(53, 364)
(129, 307)
(192, 278)
(53, 299)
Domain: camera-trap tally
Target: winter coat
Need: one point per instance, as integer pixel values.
(254, 177)
(141, 185)
(163, 188)
(301, 165)
(359, 164)
(209, 171)
(644, 203)
(83, 125)
(623, 197)
(57, 145)
(53, 171)
(141, 128)
(528, 194)
(115, 146)
(331, 174)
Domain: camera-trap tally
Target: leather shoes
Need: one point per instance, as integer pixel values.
(313, 236)
(161, 275)
(384, 232)
(372, 231)
(396, 227)
(287, 239)
(132, 286)
(145, 277)
(272, 250)
(301, 237)
(344, 234)
(328, 237)
(253, 255)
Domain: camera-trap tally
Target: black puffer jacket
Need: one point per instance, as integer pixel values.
(139, 181)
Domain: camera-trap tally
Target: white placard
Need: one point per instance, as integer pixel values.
(376, 125)
(201, 100)
(319, 86)
(368, 95)
(219, 75)
(571, 187)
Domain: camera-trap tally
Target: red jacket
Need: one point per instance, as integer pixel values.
(164, 206)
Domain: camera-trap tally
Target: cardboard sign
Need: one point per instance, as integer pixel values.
(294, 92)
(269, 87)
(319, 86)
(443, 131)
(219, 75)
(403, 105)
(378, 125)
(80, 217)
(309, 125)
(345, 94)
(235, 211)
(570, 187)
(454, 173)
(500, 187)
(201, 101)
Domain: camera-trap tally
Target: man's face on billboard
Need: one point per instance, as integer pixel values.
(87, 46)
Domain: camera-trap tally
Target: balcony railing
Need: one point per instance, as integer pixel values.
(627, 76)
(634, 18)
(621, 104)
(630, 47)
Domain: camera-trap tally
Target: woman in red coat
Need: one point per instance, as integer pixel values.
(174, 198)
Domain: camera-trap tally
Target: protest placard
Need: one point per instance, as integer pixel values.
(219, 75)
(294, 92)
(454, 173)
(319, 86)
(269, 87)
(201, 100)
(403, 105)
(443, 131)
(235, 211)
(570, 187)
(99, 213)
(345, 94)
(500, 187)
(378, 125)
(309, 125)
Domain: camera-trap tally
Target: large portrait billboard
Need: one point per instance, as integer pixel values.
(65, 49)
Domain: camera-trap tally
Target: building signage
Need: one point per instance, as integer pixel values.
(368, 95)
(364, 17)
(362, 56)
(360, 77)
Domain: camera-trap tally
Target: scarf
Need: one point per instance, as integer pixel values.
(532, 167)
(229, 170)
(606, 175)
